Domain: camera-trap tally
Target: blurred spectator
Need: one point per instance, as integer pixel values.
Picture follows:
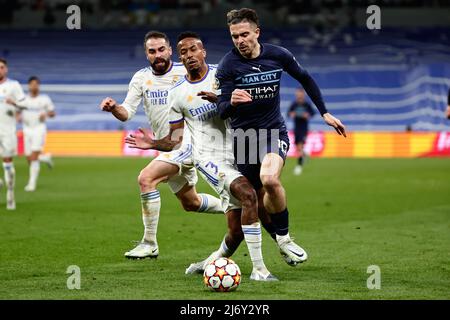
(301, 112)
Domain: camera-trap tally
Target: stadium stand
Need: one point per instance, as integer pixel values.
(374, 81)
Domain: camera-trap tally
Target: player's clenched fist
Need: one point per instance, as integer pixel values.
(239, 96)
(108, 104)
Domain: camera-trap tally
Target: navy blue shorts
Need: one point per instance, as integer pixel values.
(301, 132)
(249, 160)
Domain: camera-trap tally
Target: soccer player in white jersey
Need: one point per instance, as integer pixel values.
(151, 86)
(39, 107)
(212, 148)
(11, 93)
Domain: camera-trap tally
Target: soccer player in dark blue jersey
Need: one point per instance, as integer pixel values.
(249, 80)
(300, 111)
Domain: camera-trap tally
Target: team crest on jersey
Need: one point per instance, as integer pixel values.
(221, 175)
(216, 84)
(189, 98)
(149, 83)
(175, 79)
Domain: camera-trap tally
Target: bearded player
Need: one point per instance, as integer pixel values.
(11, 95)
(151, 86)
(212, 149)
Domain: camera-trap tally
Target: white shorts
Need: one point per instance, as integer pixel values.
(220, 175)
(34, 140)
(8, 144)
(182, 158)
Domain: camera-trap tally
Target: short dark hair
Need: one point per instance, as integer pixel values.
(188, 34)
(34, 78)
(155, 34)
(3, 60)
(242, 15)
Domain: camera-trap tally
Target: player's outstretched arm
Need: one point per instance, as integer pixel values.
(208, 96)
(110, 105)
(144, 141)
(335, 123)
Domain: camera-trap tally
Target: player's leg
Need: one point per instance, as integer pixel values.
(181, 181)
(149, 178)
(242, 190)
(183, 186)
(10, 181)
(299, 167)
(47, 159)
(34, 168)
(227, 247)
(264, 216)
(275, 204)
(9, 147)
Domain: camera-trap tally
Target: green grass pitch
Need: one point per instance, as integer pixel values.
(347, 213)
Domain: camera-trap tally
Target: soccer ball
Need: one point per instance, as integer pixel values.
(222, 275)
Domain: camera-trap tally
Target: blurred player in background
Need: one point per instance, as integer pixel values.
(39, 107)
(249, 79)
(11, 95)
(300, 111)
(151, 85)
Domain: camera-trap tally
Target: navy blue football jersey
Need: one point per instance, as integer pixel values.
(261, 78)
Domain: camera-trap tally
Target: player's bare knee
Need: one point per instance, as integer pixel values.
(248, 197)
(270, 183)
(146, 180)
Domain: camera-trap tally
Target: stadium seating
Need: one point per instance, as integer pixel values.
(377, 81)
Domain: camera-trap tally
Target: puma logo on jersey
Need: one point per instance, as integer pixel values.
(257, 68)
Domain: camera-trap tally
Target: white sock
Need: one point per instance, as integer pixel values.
(10, 175)
(222, 252)
(151, 204)
(253, 238)
(210, 204)
(34, 172)
(45, 157)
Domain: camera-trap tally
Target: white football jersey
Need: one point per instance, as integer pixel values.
(208, 130)
(9, 89)
(35, 107)
(153, 90)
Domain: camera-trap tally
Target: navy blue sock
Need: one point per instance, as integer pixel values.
(270, 228)
(300, 161)
(281, 222)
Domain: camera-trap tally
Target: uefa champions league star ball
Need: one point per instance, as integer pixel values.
(222, 275)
